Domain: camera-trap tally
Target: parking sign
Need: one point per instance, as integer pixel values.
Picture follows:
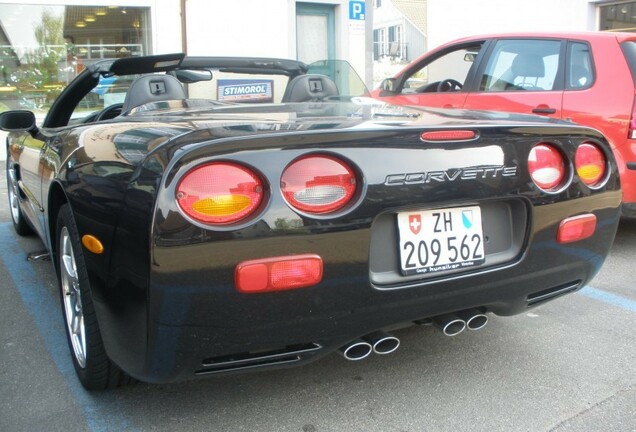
(356, 10)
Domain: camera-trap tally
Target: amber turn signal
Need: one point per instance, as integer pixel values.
(590, 164)
(220, 193)
(92, 244)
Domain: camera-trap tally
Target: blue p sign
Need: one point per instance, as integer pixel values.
(356, 10)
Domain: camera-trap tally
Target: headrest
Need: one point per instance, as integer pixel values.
(152, 88)
(528, 65)
(310, 87)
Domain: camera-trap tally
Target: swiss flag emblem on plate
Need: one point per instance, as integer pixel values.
(415, 223)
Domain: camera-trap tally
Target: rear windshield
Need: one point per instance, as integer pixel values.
(629, 51)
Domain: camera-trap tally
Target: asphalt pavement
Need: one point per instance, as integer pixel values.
(569, 365)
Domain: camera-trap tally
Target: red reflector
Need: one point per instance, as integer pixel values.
(576, 228)
(451, 135)
(278, 273)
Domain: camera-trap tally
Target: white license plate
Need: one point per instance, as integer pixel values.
(440, 240)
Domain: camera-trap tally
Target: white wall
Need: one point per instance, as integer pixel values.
(452, 19)
(261, 28)
(254, 28)
(166, 26)
(387, 15)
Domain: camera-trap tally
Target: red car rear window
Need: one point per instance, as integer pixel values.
(629, 50)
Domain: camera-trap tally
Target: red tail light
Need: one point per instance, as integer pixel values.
(318, 184)
(590, 164)
(278, 273)
(451, 135)
(631, 134)
(219, 193)
(546, 166)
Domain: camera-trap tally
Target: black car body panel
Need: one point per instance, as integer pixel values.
(164, 289)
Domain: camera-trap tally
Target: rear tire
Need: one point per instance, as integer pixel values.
(20, 223)
(93, 367)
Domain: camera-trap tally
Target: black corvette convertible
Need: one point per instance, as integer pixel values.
(214, 215)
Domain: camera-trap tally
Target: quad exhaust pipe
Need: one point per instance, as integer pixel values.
(474, 318)
(377, 342)
(381, 342)
(449, 324)
(356, 350)
(453, 324)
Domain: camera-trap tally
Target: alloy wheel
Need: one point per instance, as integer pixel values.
(72, 298)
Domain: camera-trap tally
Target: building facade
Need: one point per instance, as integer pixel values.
(399, 30)
(452, 19)
(45, 43)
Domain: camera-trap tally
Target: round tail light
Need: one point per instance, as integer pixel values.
(318, 184)
(219, 193)
(546, 166)
(590, 164)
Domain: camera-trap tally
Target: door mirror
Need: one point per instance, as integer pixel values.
(388, 84)
(17, 121)
(470, 57)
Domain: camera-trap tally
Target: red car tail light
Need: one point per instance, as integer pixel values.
(318, 184)
(546, 166)
(278, 273)
(451, 135)
(219, 193)
(576, 228)
(590, 164)
(631, 134)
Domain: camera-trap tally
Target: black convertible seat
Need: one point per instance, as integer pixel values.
(152, 88)
(310, 87)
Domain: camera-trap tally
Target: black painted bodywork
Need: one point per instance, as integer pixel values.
(164, 289)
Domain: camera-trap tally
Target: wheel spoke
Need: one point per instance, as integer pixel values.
(13, 195)
(69, 260)
(75, 325)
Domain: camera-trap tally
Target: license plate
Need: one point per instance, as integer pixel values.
(440, 240)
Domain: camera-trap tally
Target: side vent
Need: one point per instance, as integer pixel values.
(551, 293)
(250, 360)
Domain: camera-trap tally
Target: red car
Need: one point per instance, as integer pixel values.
(588, 78)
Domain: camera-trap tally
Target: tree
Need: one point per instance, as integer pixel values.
(40, 65)
(49, 35)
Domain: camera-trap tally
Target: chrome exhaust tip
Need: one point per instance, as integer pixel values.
(381, 342)
(474, 318)
(449, 324)
(356, 350)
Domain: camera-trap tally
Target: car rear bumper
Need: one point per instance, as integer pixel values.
(200, 325)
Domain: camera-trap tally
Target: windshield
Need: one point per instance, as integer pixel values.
(340, 71)
(223, 80)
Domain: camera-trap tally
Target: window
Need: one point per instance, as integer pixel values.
(618, 17)
(580, 70)
(315, 32)
(454, 65)
(380, 49)
(43, 47)
(522, 65)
